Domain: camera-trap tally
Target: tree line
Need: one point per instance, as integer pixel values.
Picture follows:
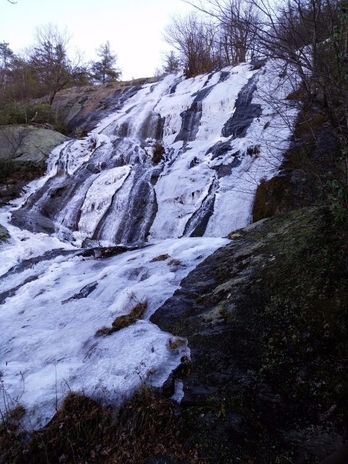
(309, 35)
(44, 70)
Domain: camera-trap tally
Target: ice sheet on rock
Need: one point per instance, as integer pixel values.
(193, 184)
(50, 347)
(99, 197)
(131, 180)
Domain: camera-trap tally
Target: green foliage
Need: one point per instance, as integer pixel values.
(337, 196)
(39, 112)
(105, 70)
(35, 113)
(4, 234)
(10, 114)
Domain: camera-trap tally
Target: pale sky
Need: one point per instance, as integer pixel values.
(134, 28)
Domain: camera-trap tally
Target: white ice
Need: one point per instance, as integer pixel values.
(48, 344)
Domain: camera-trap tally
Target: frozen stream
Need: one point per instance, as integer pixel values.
(169, 175)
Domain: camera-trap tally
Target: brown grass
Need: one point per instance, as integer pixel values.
(125, 320)
(83, 431)
(175, 343)
(138, 310)
(160, 258)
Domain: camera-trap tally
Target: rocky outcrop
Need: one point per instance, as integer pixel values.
(265, 320)
(81, 108)
(23, 154)
(308, 166)
(21, 144)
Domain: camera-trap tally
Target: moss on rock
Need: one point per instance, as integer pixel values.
(4, 234)
(268, 376)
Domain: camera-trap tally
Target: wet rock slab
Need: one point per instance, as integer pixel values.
(264, 378)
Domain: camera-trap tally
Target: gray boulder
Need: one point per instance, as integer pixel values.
(23, 154)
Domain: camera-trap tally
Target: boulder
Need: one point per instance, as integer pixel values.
(23, 154)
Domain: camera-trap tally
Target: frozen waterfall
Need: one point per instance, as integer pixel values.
(121, 217)
(179, 158)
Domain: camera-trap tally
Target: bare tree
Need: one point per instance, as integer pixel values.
(311, 36)
(236, 20)
(195, 40)
(50, 61)
(288, 27)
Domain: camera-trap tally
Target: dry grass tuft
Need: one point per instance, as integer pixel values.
(122, 322)
(160, 258)
(125, 320)
(175, 343)
(138, 310)
(80, 431)
(83, 431)
(148, 430)
(103, 331)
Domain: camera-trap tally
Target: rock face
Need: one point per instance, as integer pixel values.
(4, 235)
(307, 166)
(22, 144)
(23, 154)
(82, 108)
(268, 378)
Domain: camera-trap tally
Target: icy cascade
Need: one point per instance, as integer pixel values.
(176, 167)
(179, 158)
(56, 299)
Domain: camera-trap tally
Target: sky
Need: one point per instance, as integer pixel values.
(134, 28)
